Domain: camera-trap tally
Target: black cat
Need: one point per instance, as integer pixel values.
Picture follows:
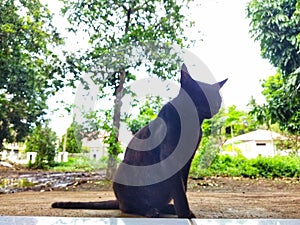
(153, 173)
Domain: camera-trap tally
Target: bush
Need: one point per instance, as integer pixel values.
(278, 166)
(42, 140)
(205, 155)
(80, 163)
(267, 167)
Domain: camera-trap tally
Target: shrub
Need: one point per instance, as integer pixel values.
(42, 140)
(80, 163)
(267, 167)
(278, 166)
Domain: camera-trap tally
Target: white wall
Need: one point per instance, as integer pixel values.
(252, 149)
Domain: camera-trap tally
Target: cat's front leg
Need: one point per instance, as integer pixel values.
(179, 196)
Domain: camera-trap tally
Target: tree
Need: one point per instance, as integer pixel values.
(276, 25)
(124, 36)
(74, 139)
(99, 123)
(30, 70)
(282, 105)
(43, 141)
(147, 112)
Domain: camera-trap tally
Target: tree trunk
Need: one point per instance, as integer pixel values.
(111, 167)
(112, 161)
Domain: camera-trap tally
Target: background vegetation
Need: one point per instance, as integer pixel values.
(275, 24)
(141, 38)
(81, 163)
(266, 167)
(43, 141)
(34, 65)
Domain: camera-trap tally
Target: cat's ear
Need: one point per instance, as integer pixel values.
(221, 83)
(185, 76)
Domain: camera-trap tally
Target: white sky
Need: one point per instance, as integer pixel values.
(227, 49)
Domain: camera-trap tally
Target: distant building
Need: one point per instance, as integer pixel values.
(254, 144)
(96, 148)
(13, 151)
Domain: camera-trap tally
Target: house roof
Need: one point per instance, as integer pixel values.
(94, 143)
(258, 135)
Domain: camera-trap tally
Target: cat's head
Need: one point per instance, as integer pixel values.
(206, 97)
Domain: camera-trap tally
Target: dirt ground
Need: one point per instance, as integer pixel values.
(214, 197)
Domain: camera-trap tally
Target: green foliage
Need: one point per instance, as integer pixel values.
(277, 167)
(267, 167)
(100, 123)
(291, 145)
(147, 112)
(142, 26)
(80, 163)
(228, 123)
(114, 146)
(205, 155)
(30, 70)
(208, 162)
(142, 37)
(282, 103)
(276, 25)
(215, 133)
(43, 141)
(74, 137)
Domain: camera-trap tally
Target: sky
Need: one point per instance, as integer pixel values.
(224, 45)
(230, 52)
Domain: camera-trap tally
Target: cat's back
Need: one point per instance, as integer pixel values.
(152, 141)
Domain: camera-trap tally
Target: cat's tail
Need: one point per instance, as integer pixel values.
(111, 204)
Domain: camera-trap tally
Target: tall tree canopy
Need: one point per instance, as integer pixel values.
(275, 24)
(124, 36)
(30, 71)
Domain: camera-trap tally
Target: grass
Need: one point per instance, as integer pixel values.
(78, 164)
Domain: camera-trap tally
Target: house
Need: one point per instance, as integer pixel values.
(253, 144)
(96, 147)
(13, 151)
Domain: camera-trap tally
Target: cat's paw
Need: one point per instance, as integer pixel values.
(188, 215)
(192, 215)
(153, 213)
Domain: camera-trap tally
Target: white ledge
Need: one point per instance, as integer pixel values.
(24, 220)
